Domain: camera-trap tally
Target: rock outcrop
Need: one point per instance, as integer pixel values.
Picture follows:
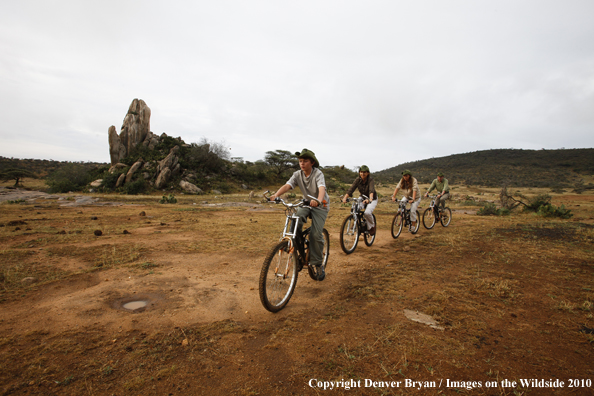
(135, 130)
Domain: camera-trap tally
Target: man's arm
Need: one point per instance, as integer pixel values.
(281, 191)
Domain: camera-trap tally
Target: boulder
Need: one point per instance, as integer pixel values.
(133, 170)
(121, 180)
(136, 125)
(171, 160)
(189, 187)
(216, 192)
(117, 166)
(97, 183)
(175, 171)
(117, 151)
(163, 178)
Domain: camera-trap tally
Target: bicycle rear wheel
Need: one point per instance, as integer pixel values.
(429, 218)
(312, 270)
(369, 239)
(349, 234)
(446, 217)
(397, 224)
(278, 277)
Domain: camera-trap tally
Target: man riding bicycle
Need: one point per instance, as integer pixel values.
(412, 192)
(364, 183)
(310, 180)
(440, 184)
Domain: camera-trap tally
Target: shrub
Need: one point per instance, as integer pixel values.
(168, 200)
(72, 177)
(554, 211)
(110, 180)
(536, 202)
(136, 187)
(489, 209)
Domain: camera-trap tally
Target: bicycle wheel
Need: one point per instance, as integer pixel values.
(349, 234)
(397, 223)
(369, 239)
(312, 270)
(278, 277)
(446, 217)
(415, 229)
(429, 218)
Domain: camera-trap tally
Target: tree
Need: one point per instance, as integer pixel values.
(281, 161)
(17, 175)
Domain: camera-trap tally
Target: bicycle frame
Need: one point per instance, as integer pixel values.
(355, 212)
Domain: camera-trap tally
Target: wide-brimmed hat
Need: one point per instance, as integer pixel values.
(440, 174)
(364, 168)
(305, 153)
(406, 172)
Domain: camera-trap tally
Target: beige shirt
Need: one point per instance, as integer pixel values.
(409, 193)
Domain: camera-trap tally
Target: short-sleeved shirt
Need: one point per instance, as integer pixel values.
(310, 185)
(439, 186)
(409, 193)
(366, 187)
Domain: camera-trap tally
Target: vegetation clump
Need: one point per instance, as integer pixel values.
(168, 199)
(490, 209)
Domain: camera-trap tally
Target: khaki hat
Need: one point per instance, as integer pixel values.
(364, 168)
(406, 172)
(305, 153)
(440, 174)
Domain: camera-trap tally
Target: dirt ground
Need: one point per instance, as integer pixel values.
(513, 296)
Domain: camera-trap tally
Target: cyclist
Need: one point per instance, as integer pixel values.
(310, 181)
(440, 184)
(366, 187)
(412, 192)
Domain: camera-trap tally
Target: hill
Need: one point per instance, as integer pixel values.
(513, 167)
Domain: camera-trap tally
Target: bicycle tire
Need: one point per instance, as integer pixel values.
(446, 217)
(349, 234)
(429, 218)
(416, 229)
(369, 239)
(325, 254)
(275, 287)
(397, 224)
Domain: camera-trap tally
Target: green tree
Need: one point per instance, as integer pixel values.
(17, 175)
(281, 161)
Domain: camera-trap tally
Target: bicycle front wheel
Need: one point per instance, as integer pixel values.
(278, 277)
(369, 239)
(349, 234)
(429, 218)
(446, 217)
(415, 229)
(397, 224)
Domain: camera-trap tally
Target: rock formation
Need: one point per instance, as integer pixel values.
(135, 130)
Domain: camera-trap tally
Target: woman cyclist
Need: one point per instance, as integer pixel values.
(364, 183)
(411, 191)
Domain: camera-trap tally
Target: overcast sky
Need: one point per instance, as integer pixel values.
(358, 82)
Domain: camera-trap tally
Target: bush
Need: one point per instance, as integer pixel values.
(72, 177)
(168, 200)
(110, 180)
(136, 187)
(491, 210)
(535, 203)
(554, 211)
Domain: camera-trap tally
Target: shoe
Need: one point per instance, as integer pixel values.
(320, 272)
(372, 231)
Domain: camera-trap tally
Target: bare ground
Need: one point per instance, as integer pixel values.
(514, 296)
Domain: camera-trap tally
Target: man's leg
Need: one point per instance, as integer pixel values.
(413, 209)
(316, 236)
(443, 198)
(369, 214)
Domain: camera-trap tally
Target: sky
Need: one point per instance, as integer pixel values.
(358, 82)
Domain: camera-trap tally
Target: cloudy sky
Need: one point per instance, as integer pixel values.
(374, 82)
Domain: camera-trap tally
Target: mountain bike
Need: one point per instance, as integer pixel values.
(435, 212)
(402, 218)
(287, 258)
(354, 225)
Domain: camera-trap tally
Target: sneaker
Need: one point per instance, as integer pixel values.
(320, 272)
(372, 231)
